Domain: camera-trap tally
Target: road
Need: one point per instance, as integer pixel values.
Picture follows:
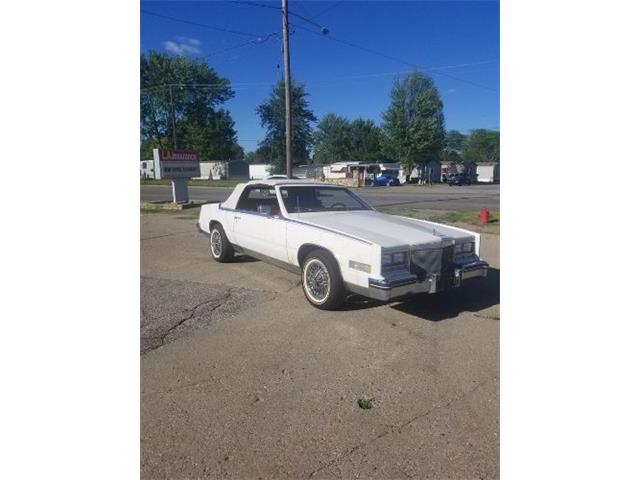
(437, 197)
(242, 378)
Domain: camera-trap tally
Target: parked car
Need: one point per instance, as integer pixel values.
(338, 243)
(385, 181)
(458, 179)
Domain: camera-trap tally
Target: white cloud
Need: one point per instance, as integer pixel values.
(184, 46)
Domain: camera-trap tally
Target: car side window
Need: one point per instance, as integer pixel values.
(261, 200)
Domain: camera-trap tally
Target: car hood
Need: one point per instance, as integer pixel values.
(383, 229)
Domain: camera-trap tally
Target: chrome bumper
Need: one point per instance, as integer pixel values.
(462, 272)
(406, 283)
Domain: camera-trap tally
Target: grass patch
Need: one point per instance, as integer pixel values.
(462, 218)
(196, 183)
(187, 214)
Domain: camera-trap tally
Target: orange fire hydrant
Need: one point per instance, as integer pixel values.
(484, 215)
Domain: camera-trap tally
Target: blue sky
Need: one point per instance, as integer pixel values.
(458, 43)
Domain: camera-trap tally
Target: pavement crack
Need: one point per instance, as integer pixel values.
(447, 405)
(190, 313)
(162, 236)
(397, 428)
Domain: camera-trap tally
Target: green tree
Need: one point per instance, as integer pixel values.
(482, 146)
(366, 141)
(251, 157)
(452, 147)
(332, 140)
(413, 125)
(454, 141)
(260, 155)
(199, 123)
(336, 139)
(450, 156)
(237, 152)
(147, 146)
(272, 117)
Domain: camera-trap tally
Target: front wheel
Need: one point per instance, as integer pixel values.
(321, 281)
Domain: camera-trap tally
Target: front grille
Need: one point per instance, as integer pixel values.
(447, 268)
(425, 262)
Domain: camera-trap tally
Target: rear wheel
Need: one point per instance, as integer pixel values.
(221, 249)
(321, 280)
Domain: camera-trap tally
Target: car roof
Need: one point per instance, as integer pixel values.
(291, 181)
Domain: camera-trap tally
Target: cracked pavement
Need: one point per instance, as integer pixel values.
(170, 309)
(250, 381)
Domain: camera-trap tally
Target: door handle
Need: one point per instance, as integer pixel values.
(237, 218)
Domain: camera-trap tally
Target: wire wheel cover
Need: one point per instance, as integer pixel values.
(216, 243)
(317, 282)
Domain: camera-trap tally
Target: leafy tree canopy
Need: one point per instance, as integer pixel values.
(332, 140)
(482, 146)
(199, 123)
(454, 141)
(450, 156)
(338, 140)
(413, 125)
(260, 155)
(366, 141)
(272, 117)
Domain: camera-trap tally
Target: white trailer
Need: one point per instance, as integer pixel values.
(213, 170)
(146, 169)
(259, 171)
(488, 172)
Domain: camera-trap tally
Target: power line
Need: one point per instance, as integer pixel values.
(273, 7)
(302, 4)
(258, 41)
(203, 25)
(254, 4)
(323, 33)
(396, 59)
(318, 82)
(328, 8)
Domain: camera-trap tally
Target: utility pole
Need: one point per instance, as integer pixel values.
(173, 117)
(287, 84)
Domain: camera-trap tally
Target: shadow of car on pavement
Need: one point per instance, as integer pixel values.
(473, 296)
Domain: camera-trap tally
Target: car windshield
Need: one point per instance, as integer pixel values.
(320, 199)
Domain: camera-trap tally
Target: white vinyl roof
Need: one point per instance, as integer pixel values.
(290, 181)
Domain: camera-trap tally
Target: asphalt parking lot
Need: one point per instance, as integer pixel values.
(436, 197)
(242, 378)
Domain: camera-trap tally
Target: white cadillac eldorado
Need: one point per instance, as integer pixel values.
(338, 242)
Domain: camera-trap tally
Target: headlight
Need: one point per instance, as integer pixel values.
(394, 259)
(399, 258)
(467, 247)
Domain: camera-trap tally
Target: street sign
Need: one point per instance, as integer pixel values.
(178, 166)
(175, 163)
